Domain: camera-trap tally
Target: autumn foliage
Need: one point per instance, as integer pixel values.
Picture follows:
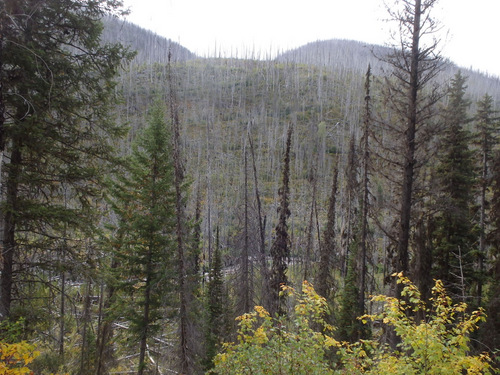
(437, 342)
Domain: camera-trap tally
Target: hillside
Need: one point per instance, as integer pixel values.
(339, 55)
(317, 89)
(336, 54)
(151, 48)
(147, 203)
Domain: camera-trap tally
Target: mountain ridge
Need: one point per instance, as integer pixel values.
(334, 54)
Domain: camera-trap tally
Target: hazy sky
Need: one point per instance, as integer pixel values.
(471, 33)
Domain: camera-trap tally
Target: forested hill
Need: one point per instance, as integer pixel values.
(350, 55)
(151, 48)
(335, 54)
(147, 200)
(338, 54)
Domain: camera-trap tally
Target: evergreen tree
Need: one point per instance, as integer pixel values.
(350, 328)
(486, 134)
(216, 308)
(490, 331)
(454, 236)
(57, 85)
(144, 201)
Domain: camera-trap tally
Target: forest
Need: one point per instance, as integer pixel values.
(331, 210)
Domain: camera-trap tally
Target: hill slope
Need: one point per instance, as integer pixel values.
(348, 55)
(151, 48)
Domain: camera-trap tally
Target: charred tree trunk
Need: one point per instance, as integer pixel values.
(324, 281)
(9, 230)
(365, 192)
(246, 302)
(280, 249)
(310, 226)
(264, 273)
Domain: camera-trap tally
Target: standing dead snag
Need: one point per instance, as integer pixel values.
(280, 249)
(415, 61)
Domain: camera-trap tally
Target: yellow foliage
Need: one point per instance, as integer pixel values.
(14, 358)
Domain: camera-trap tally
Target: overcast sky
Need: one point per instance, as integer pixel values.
(261, 27)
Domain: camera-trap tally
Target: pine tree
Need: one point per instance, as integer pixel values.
(144, 202)
(57, 85)
(454, 235)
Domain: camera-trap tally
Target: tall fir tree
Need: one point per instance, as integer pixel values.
(454, 234)
(144, 201)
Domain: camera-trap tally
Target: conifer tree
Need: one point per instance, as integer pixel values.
(217, 301)
(454, 235)
(57, 84)
(490, 331)
(144, 202)
(350, 328)
(486, 134)
(352, 301)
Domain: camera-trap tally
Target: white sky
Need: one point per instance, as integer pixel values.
(243, 28)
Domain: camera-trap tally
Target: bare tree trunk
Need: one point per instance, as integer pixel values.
(310, 227)
(280, 250)
(105, 328)
(145, 316)
(9, 230)
(262, 224)
(365, 185)
(482, 224)
(324, 280)
(245, 261)
(84, 354)
(62, 313)
(409, 158)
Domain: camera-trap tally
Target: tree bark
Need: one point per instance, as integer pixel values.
(9, 230)
(409, 157)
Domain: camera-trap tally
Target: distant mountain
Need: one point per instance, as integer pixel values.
(338, 54)
(348, 55)
(151, 48)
